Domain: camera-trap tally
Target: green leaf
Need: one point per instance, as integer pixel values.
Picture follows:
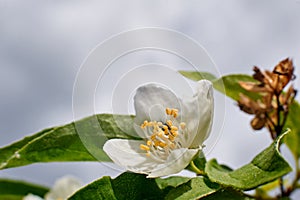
(12, 189)
(227, 194)
(126, 186)
(100, 189)
(137, 186)
(265, 167)
(200, 162)
(172, 182)
(195, 188)
(63, 143)
(11, 197)
(197, 76)
(228, 84)
(292, 140)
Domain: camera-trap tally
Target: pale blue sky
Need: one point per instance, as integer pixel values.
(42, 46)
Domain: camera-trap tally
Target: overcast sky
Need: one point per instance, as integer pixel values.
(42, 46)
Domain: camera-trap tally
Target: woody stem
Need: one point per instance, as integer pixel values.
(271, 126)
(278, 129)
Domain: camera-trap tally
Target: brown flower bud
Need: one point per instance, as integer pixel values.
(258, 122)
(284, 72)
(254, 87)
(272, 108)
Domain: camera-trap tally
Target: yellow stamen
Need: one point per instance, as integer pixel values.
(174, 128)
(165, 128)
(156, 143)
(161, 144)
(153, 137)
(174, 112)
(172, 145)
(168, 111)
(144, 124)
(175, 133)
(169, 123)
(163, 136)
(182, 125)
(161, 133)
(150, 124)
(171, 138)
(144, 147)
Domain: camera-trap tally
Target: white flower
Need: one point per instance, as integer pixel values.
(62, 189)
(173, 130)
(32, 197)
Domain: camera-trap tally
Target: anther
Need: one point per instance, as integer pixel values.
(150, 124)
(174, 133)
(174, 128)
(174, 112)
(161, 144)
(144, 147)
(156, 143)
(144, 124)
(169, 123)
(171, 138)
(153, 136)
(168, 111)
(182, 125)
(161, 133)
(165, 129)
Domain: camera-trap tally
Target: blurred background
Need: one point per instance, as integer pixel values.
(42, 46)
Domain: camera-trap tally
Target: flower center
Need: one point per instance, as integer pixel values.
(164, 137)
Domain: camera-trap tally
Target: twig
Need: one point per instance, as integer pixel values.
(278, 129)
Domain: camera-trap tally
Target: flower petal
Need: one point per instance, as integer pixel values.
(197, 113)
(32, 197)
(127, 153)
(63, 188)
(177, 161)
(150, 102)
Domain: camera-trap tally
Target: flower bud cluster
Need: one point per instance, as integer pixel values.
(271, 109)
